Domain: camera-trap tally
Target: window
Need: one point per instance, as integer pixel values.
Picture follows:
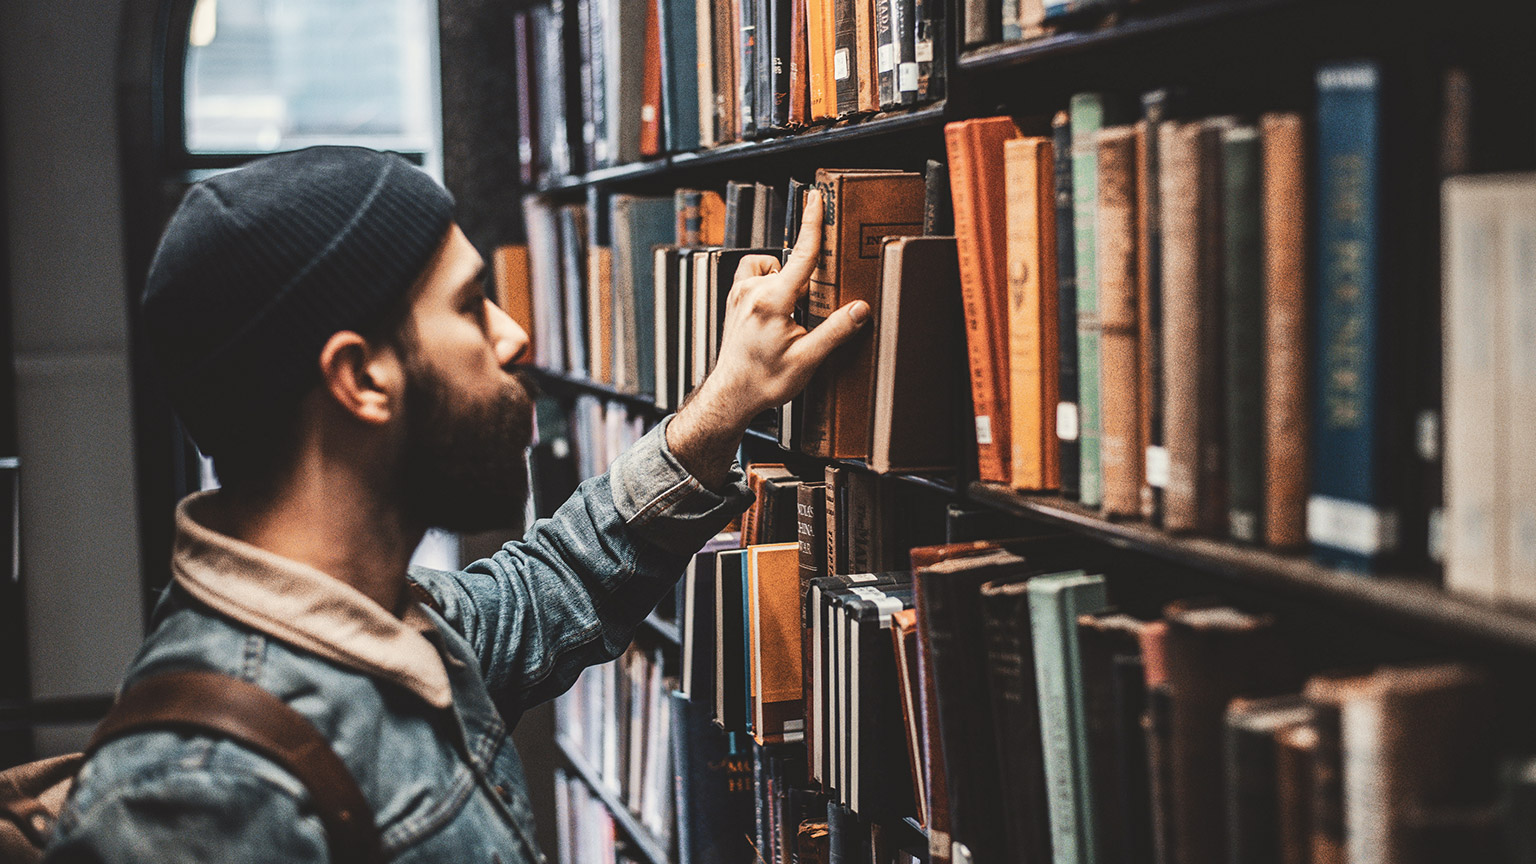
(270, 75)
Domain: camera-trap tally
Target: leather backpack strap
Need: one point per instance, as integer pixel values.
(221, 705)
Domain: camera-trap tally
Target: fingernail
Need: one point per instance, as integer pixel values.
(859, 312)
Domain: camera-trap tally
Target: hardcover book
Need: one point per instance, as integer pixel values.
(1282, 143)
(1242, 306)
(1029, 168)
(1121, 445)
(1069, 456)
(773, 573)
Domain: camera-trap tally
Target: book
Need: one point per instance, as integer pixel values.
(1029, 167)
(1069, 456)
(514, 289)
(625, 57)
(1090, 113)
(700, 217)
(573, 283)
(983, 21)
(844, 65)
(909, 689)
(1242, 305)
(1055, 602)
(879, 783)
(862, 208)
(931, 48)
(1121, 445)
(1295, 756)
(1282, 143)
(774, 584)
(523, 50)
(739, 198)
(819, 39)
(651, 135)
(730, 640)
(917, 400)
(1158, 726)
(1114, 702)
(938, 208)
(713, 788)
(544, 281)
(1156, 108)
(1251, 753)
(679, 75)
(823, 710)
(974, 148)
(704, 47)
(865, 73)
(639, 225)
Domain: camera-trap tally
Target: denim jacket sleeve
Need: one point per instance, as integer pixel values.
(571, 593)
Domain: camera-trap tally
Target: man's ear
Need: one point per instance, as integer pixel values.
(366, 380)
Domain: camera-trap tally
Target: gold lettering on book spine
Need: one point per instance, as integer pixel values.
(1344, 354)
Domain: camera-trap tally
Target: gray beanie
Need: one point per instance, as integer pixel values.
(260, 266)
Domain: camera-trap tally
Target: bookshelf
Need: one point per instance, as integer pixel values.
(651, 850)
(1130, 53)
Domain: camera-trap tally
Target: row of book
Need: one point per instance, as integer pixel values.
(993, 693)
(604, 82)
(991, 21)
(575, 439)
(585, 832)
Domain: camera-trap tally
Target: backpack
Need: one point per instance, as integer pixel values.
(31, 795)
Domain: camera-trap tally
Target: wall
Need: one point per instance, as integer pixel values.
(62, 204)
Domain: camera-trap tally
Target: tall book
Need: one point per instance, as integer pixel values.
(1251, 753)
(651, 135)
(1121, 445)
(747, 72)
(782, 17)
(514, 289)
(573, 283)
(909, 689)
(1090, 113)
(1114, 702)
(819, 39)
(773, 573)
(1028, 173)
(523, 50)
(1242, 305)
(704, 47)
(879, 781)
(845, 56)
(713, 788)
(798, 99)
(1156, 107)
(679, 75)
(1282, 142)
(739, 202)
(932, 29)
(825, 710)
(1364, 508)
(1055, 602)
(862, 208)
(918, 363)
(1069, 453)
(624, 49)
(975, 150)
(730, 640)
(639, 225)
(864, 55)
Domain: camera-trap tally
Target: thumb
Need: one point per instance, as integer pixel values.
(814, 346)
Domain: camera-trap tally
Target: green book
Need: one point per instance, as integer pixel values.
(1243, 336)
(1055, 601)
(1090, 112)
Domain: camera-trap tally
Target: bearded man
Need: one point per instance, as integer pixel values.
(322, 331)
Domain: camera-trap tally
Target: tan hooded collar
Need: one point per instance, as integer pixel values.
(304, 607)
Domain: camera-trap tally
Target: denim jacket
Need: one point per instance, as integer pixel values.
(406, 702)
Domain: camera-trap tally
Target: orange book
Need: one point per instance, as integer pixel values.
(650, 95)
(773, 590)
(1284, 145)
(818, 32)
(1119, 349)
(514, 287)
(975, 149)
(868, 71)
(1033, 362)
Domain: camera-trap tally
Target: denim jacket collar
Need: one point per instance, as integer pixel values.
(305, 608)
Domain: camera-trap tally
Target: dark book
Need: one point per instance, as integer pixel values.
(879, 780)
(904, 49)
(920, 373)
(523, 51)
(712, 784)
(680, 75)
(1114, 696)
(739, 199)
(652, 141)
(845, 59)
(639, 225)
(548, 35)
(698, 623)
(938, 209)
(778, 520)
(1243, 308)
(1133, 783)
(1212, 655)
(810, 528)
(782, 17)
(983, 22)
(592, 92)
(551, 460)
(1066, 307)
(731, 697)
(885, 53)
(1251, 749)
(821, 723)
(931, 48)
(1157, 107)
(1158, 727)
(847, 836)
(1010, 670)
(747, 72)
(573, 283)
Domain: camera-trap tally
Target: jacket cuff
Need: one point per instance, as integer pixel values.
(661, 502)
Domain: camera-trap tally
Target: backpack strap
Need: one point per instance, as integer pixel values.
(228, 707)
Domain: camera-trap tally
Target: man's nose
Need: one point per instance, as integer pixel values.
(508, 337)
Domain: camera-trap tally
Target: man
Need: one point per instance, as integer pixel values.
(323, 334)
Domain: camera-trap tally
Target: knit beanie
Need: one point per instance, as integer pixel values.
(259, 267)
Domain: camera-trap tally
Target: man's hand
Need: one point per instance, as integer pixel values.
(765, 357)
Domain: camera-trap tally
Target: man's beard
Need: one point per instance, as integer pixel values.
(464, 464)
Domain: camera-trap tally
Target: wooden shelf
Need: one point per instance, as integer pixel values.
(643, 841)
(1413, 602)
(814, 137)
(566, 383)
(1010, 54)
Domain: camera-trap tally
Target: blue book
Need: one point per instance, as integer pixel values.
(712, 784)
(679, 75)
(639, 225)
(1362, 438)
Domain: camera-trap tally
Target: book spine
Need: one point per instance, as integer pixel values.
(781, 44)
(1251, 784)
(1283, 145)
(983, 22)
(1087, 111)
(864, 51)
(704, 46)
(1121, 454)
(1242, 305)
(651, 143)
(904, 51)
(1350, 519)
(1031, 234)
(1149, 247)
(747, 71)
(725, 29)
(1517, 262)
(799, 97)
(1011, 684)
(837, 551)
(885, 53)
(1066, 309)
(524, 46)
(930, 48)
(819, 429)
(845, 56)
(1182, 321)
(679, 76)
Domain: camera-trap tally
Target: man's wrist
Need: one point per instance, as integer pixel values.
(705, 435)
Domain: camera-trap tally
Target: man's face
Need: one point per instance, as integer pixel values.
(468, 421)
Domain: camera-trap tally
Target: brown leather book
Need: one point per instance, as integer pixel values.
(868, 71)
(1157, 726)
(600, 313)
(727, 32)
(1283, 143)
(919, 357)
(1033, 362)
(650, 94)
(799, 66)
(1192, 417)
(908, 679)
(514, 288)
(773, 582)
(1213, 654)
(975, 149)
(1123, 448)
(1295, 751)
(864, 208)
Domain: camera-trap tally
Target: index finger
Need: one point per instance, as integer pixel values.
(802, 260)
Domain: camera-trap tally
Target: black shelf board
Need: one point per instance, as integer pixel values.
(840, 132)
(668, 631)
(651, 849)
(1414, 602)
(558, 382)
(941, 483)
(1009, 54)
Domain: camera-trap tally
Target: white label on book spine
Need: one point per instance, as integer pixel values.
(925, 51)
(983, 429)
(885, 59)
(906, 77)
(1244, 525)
(794, 725)
(1427, 431)
(887, 606)
(1157, 466)
(648, 113)
(840, 64)
(862, 577)
(1437, 535)
(1350, 526)
(868, 593)
(1066, 421)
